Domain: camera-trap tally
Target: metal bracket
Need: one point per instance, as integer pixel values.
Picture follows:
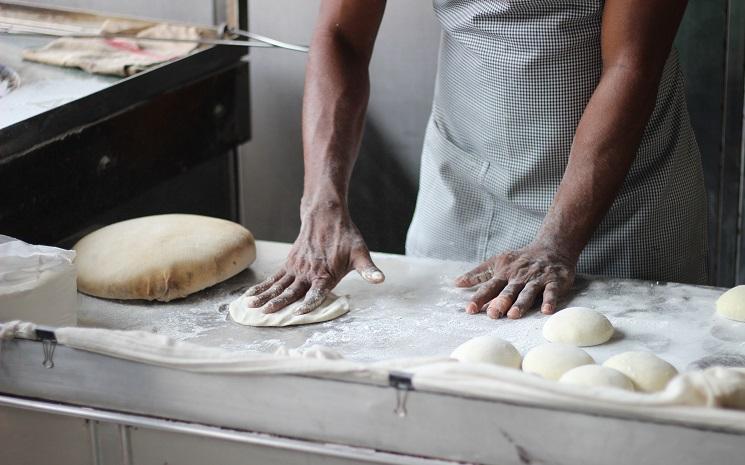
(402, 382)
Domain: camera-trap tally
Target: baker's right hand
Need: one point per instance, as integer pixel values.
(328, 247)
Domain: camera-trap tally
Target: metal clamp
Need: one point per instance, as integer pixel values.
(48, 344)
(402, 382)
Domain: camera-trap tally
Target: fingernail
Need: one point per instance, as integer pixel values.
(471, 308)
(514, 313)
(373, 274)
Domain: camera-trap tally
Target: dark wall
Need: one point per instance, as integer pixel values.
(711, 46)
(701, 43)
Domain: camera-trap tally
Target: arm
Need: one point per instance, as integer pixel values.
(636, 38)
(337, 88)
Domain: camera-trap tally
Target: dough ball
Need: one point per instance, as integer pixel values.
(731, 304)
(552, 360)
(597, 375)
(578, 326)
(162, 257)
(488, 349)
(648, 372)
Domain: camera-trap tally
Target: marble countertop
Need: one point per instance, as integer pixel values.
(418, 312)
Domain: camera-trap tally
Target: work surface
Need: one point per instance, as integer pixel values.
(43, 87)
(418, 312)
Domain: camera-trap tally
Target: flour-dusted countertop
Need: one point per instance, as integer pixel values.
(418, 312)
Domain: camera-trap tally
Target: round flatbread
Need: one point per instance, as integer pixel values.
(162, 257)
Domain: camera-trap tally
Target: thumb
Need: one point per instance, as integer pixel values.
(367, 269)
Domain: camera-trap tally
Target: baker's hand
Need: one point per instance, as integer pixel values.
(328, 247)
(511, 282)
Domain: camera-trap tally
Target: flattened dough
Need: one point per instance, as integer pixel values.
(552, 360)
(333, 307)
(648, 372)
(162, 257)
(488, 349)
(578, 326)
(731, 304)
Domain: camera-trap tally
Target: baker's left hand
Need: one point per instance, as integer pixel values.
(512, 282)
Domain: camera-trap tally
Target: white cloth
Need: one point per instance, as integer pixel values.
(690, 397)
(155, 349)
(37, 283)
(705, 397)
(15, 329)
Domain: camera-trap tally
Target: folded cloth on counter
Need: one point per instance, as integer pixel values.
(156, 349)
(37, 283)
(118, 57)
(690, 397)
(714, 396)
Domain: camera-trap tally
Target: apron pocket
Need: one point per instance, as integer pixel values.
(454, 209)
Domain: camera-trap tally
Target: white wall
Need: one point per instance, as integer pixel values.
(402, 75)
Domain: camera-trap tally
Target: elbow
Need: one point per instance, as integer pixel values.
(333, 37)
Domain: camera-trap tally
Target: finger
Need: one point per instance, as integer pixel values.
(524, 301)
(367, 269)
(485, 293)
(550, 298)
(478, 275)
(265, 284)
(315, 296)
(276, 289)
(499, 306)
(290, 295)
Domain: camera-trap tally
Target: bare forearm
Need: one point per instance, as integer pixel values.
(329, 245)
(337, 89)
(636, 39)
(603, 150)
(334, 105)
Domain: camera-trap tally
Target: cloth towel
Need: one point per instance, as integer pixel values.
(714, 396)
(118, 57)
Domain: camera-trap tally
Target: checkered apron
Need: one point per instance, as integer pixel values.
(514, 78)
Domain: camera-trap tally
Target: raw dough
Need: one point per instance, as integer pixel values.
(731, 304)
(578, 326)
(488, 349)
(597, 375)
(552, 360)
(648, 372)
(333, 307)
(162, 257)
